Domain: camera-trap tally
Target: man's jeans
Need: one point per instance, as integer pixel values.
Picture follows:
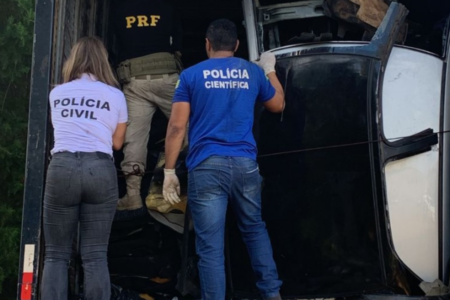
(81, 188)
(213, 184)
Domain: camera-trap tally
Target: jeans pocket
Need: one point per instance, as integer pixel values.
(205, 184)
(252, 182)
(59, 181)
(103, 172)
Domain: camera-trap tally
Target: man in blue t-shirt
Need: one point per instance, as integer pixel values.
(217, 97)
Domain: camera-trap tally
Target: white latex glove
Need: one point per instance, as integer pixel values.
(267, 62)
(171, 187)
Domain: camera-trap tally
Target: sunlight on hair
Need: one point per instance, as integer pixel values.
(89, 55)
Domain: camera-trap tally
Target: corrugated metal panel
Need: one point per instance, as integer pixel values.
(73, 19)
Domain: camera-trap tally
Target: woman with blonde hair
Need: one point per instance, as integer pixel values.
(89, 116)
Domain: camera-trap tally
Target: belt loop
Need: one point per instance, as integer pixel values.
(165, 76)
(149, 77)
(133, 78)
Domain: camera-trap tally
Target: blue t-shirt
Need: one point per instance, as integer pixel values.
(222, 93)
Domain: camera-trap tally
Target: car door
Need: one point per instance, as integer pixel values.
(354, 195)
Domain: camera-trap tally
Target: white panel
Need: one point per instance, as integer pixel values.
(412, 193)
(410, 104)
(28, 258)
(411, 93)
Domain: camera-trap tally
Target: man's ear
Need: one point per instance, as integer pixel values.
(208, 45)
(237, 45)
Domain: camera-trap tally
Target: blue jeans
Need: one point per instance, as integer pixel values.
(213, 184)
(81, 189)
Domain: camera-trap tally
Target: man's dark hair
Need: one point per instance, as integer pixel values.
(222, 35)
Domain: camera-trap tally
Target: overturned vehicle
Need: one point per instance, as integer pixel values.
(356, 169)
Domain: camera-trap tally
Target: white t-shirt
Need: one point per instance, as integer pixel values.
(85, 113)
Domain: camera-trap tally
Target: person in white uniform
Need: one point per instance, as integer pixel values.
(89, 116)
